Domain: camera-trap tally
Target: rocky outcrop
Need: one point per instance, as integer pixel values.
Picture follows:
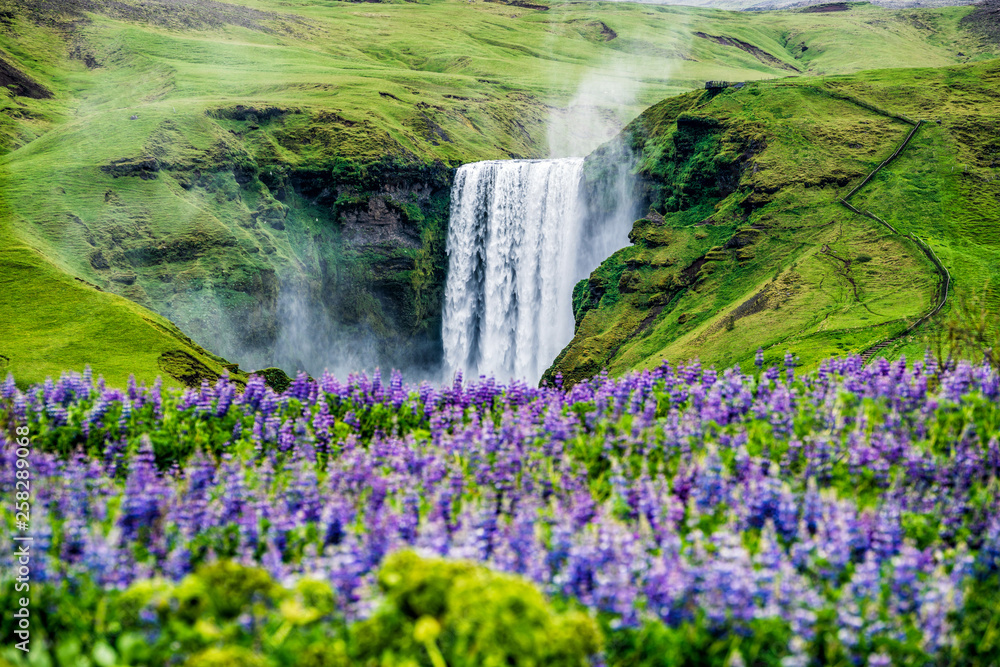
(185, 368)
(292, 258)
(388, 219)
(145, 167)
(757, 52)
(984, 20)
(20, 83)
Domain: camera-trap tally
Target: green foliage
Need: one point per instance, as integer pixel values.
(978, 642)
(923, 529)
(229, 656)
(435, 612)
(692, 645)
(276, 378)
(222, 614)
(231, 587)
(463, 615)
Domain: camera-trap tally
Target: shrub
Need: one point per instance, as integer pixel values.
(232, 587)
(230, 656)
(435, 612)
(464, 615)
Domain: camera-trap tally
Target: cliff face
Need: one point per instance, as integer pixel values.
(372, 281)
(746, 244)
(334, 263)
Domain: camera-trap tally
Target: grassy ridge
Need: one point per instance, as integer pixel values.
(201, 162)
(748, 245)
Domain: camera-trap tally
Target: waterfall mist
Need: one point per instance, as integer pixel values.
(307, 338)
(605, 101)
(305, 333)
(600, 108)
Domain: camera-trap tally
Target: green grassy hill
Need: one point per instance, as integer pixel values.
(825, 5)
(237, 166)
(53, 322)
(747, 244)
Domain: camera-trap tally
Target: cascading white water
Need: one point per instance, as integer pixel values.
(513, 242)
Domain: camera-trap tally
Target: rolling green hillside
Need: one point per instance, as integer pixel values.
(53, 322)
(747, 244)
(759, 5)
(241, 167)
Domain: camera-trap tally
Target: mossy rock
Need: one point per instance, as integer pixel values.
(185, 368)
(275, 378)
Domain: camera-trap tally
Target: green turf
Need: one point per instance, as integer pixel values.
(413, 83)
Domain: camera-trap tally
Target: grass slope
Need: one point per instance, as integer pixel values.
(52, 323)
(198, 158)
(823, 5)
(746, 244)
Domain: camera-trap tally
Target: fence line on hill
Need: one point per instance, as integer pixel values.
(944, 277)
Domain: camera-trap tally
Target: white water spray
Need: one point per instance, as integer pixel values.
(513, 249)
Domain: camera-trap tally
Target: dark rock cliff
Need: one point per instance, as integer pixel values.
(332, 263)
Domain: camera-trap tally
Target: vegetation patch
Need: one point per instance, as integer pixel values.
(683, 516)
(19, 83)
(755, 51)
(275, 378)
(185, 368)
(985, 20)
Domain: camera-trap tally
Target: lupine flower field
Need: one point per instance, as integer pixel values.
(683, 515)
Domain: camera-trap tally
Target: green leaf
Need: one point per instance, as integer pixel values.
(104, 655)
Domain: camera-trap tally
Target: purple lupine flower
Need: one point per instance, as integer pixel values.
(144, 498)
(9, 388)
(879, 660)
(599, 491)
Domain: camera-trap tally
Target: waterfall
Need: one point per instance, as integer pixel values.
(513, 257)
